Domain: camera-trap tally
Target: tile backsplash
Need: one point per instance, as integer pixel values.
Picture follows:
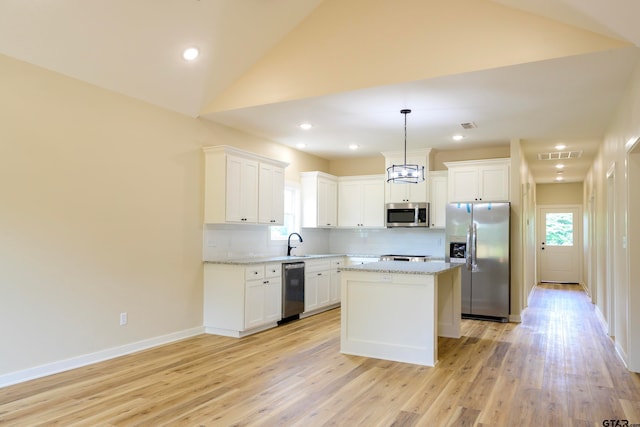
(398, 241)
(232, 241)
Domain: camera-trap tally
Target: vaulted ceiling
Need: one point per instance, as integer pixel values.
(542, 71)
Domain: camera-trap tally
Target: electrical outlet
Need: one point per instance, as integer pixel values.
(123, 318)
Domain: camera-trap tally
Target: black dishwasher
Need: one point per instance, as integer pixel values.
(292, 289)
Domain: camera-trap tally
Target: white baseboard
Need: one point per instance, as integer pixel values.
(622, 354)
(99, 356)
(238, 334)
(603, 321)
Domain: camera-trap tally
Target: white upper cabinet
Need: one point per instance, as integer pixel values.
(399, 193)
(271, 195)
(241, 187)
(319, 199)
(361, 201)
(438, 193)
(242, 190)
(479, 180)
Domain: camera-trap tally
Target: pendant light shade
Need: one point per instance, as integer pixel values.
(405, 173)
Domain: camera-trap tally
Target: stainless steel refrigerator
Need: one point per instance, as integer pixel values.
(478, 236)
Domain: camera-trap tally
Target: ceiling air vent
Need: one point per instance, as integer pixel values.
(560, 155)
(468, 125)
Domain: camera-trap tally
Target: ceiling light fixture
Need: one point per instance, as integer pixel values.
(560, 147)
(306, 126)
(559, 178)
(301, 145)
(559, 166)
(353, 146)
(457, 137)
(190, 53)
(405, 173)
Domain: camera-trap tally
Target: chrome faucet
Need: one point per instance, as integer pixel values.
(289, 247)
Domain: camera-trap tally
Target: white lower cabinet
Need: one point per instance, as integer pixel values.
(319, 284)
(240, 299)
(263, 298)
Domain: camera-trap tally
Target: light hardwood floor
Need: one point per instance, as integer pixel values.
(556, 368)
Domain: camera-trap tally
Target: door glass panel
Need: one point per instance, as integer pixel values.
(559, 227)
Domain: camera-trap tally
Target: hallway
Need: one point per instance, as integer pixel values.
(583, 378)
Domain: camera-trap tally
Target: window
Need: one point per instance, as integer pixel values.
(291, 214)
(559, 228)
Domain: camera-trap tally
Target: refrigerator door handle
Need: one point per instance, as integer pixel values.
(474, 247)
(469, 254)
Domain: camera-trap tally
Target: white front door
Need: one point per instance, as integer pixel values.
(559, 244)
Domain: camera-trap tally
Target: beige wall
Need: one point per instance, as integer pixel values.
(570, 193)
(522, 246)
(375, 165)
(614, 300)
(297, 160)
(357, 166)
(438, 157)
(101, 213)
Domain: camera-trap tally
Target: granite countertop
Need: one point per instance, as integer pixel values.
(265, 259)
(403, 267)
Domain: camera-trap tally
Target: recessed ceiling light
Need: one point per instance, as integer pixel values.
(559, 166)
(301, 145)
(306, 126)
(457, 137)
(353, 146)
(190, 53)
(560, 147)
(559, 178)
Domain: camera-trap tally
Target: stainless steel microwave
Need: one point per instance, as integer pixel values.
(406, 215)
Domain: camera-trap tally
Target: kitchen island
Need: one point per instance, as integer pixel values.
(396, 310)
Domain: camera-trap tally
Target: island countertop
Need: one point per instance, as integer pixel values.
(404, 267)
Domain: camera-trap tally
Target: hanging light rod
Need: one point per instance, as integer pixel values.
(405, 173)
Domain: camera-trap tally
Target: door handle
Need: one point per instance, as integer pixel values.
(468, 260)
(474, 247)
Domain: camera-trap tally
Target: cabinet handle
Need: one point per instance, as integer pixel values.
(319, 274)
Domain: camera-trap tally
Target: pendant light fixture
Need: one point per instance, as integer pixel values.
(405, 173)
